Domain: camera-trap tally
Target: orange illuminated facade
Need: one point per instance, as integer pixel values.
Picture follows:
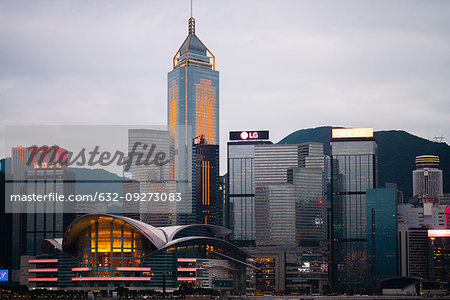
(109, 242)
(207, 204)
(193, 111)
(193, 89)
(106, 251)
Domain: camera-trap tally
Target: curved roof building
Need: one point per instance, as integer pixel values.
(106, 251)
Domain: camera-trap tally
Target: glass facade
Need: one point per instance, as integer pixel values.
(311, 207)
(290, 195)
(353, 172)
(152, 178)
(207, 204)
(241, 192)
(106, 251)
(289, 270)
(381, 234)
(193, 110)
(110, 243)
(201, 264)
(440, 258)
(55, 219)
(34, 221)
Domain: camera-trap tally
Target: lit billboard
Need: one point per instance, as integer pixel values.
(3, 275)
(439, 233)
(342, 133)
(249, 135)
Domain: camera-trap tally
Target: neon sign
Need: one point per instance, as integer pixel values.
(3, 275)
(438, 232)
(199, 140)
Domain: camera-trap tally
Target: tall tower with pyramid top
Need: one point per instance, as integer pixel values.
(193, 111)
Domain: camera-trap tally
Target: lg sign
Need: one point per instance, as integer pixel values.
(249, 135)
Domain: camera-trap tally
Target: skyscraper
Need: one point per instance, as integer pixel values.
(241, 187)
(206, 183)
(290, 210)
(5, 219)
(381, 233)
(427, 178)
(39, 171)
(354, 170)
(151, 178)
(193, 110)
(290, 195)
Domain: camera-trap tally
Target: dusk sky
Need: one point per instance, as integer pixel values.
(284, 65)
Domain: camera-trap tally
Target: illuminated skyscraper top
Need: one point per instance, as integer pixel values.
(196, 52)
(193, 89)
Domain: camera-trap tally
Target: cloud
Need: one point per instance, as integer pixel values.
(283, 65)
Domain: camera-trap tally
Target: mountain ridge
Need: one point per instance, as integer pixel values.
(397, 150)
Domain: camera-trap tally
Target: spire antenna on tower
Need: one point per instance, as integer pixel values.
(191, 28)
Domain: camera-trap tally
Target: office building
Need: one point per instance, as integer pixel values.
(152, 177)
(223, 196)
(290, 195)
(51, 221)
(439, 243)
(207, 205)
(131, 209)
(444, 199)
(381, 233)
(424, 215)
(424, 253)
(193, 111)
(414, 221)
(286, 270)
(400, 197)
(354, 170)
(5, 218)
(413, 251)
(290, 212)
(427, 178)
(240, 204)
(39, 171)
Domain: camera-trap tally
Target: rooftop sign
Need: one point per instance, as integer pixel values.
(341, 133)
(249, 135)
(439, 233)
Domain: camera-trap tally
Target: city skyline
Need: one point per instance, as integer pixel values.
(327, 60)
(320, 206)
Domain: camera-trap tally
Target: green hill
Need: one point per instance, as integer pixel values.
(397, 150)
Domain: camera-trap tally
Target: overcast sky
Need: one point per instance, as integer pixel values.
(284, 65)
